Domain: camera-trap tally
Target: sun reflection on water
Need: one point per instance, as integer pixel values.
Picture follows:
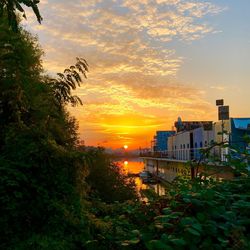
(134, 167)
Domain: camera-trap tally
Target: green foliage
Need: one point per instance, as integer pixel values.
(44, 199)
(68, 81)
(11, 7)
(42, 174)
(20, 66)
(106, 178)
(195, 214)
(207, 215)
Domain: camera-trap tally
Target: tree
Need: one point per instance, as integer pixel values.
(41, 172)
(68, 81)
(20, 69)
(106, 179)
(13, 6)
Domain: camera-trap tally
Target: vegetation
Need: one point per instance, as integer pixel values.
(39, 163)
(195, 214)
(106, 179)
(56, 195)
(11, 7)
(44, 197)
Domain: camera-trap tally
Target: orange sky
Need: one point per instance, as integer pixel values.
(150, 62)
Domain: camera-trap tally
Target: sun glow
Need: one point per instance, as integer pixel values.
(125, 146)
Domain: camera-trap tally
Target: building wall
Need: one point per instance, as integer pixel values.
(182, 146)
(167, 170)
(217, 130)
(238, 133)
(161, 140)
(218, 151)
(234, 135)
(202, 139)
(171, 141)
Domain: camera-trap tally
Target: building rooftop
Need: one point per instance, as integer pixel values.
(242, 123)
(190, 125)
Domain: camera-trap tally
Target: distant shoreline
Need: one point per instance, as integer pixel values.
(124, 156)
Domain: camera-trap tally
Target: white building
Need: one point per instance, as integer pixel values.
(186, 145)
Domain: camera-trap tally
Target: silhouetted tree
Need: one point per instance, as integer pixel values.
(68, 81)
(41, 172)
(12, 7)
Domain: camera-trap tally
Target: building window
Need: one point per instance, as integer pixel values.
(201, 144)
(184, 146)
(195, 145)
(187, 145)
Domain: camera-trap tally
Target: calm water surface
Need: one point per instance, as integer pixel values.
(135, 166)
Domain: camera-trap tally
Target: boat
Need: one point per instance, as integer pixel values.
(147, 177)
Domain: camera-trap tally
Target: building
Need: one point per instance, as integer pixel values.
(190, 125)
(218, 128)
(203, 137)
(222, 130)
(171, 143)
(240, 127)
(182, 146)
(188, 142)
(161, 140)
(192, 137)
(234, 131)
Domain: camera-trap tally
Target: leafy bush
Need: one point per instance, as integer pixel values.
(41, 196)
(195, 214)
(106, 179)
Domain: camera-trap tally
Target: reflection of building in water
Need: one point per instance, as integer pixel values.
(166, 169)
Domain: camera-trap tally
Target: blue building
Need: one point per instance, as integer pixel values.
(235, 131)
(161, 140)
(240, 127)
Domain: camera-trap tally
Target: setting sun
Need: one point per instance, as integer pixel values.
(125, 146)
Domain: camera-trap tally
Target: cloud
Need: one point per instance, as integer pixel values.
(218, 87)
(133, 70)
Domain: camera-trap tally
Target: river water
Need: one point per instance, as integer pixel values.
(135, 166)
